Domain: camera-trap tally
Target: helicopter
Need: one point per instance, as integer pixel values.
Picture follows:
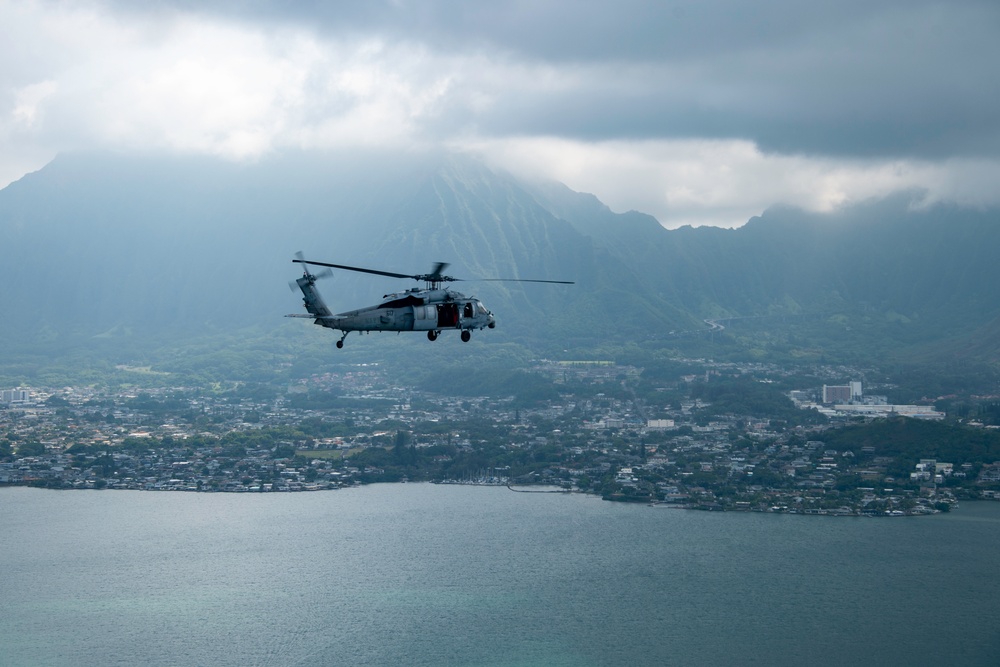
(432, 308)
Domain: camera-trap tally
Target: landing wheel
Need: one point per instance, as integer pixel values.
(340, 344)
(432, 335)
(466, 335)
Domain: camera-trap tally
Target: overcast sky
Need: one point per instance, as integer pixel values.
(700, 112)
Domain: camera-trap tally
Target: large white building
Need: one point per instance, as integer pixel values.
(846, 393)
(855, 390)
(9, 396)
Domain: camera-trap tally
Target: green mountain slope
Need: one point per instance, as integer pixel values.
(147, 248)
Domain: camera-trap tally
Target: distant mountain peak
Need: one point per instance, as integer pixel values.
(179, 244)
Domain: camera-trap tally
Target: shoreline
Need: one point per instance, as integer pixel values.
(843, 511)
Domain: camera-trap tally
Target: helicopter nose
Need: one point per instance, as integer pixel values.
(491, 321)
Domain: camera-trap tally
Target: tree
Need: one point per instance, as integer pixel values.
(283, 451)
(400, 451)
(31, 449)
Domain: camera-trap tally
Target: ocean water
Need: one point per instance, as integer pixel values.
(419, 574)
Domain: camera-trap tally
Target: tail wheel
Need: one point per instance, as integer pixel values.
(466, 335)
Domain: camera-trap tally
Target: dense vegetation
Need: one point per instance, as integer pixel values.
(909, 440)
(748, 396)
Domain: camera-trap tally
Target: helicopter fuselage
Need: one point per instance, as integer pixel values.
(415, 310)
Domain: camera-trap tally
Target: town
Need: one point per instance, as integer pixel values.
(718, 439)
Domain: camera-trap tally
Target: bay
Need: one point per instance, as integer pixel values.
(420, 574)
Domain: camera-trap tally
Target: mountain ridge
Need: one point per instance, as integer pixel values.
(147, 246)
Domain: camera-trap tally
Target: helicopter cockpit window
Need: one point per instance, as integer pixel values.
(467, 311)
(480, 308)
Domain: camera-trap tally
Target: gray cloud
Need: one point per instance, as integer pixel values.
(697, 112)
(910, 78)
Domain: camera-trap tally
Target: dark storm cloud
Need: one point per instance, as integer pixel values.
(910, 78)
(554, 31)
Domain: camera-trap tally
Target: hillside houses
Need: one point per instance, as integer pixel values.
(335, 430)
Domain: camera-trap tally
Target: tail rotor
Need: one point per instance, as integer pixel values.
(310, 278)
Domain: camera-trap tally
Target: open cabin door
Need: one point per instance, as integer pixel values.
(447, 315)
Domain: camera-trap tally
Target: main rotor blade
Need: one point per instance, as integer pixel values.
(358, 269)
(523, 280)
(434, 276)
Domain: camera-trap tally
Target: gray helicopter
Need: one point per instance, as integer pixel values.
(431, 308)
